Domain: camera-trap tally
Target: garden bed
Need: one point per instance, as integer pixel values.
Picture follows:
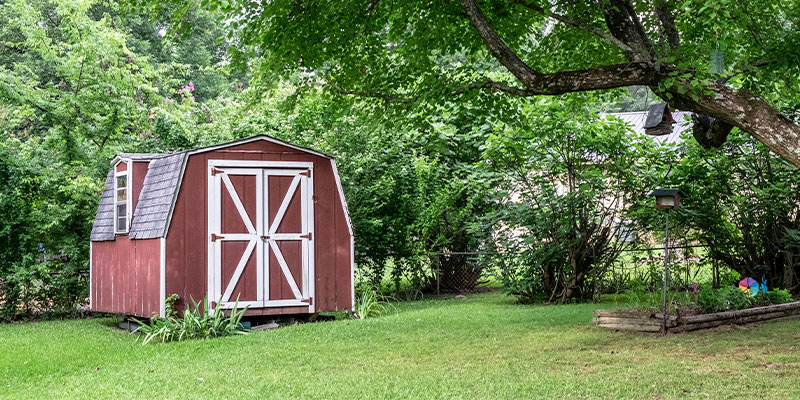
(653, 322)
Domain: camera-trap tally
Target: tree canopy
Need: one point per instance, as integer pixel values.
(404, 51)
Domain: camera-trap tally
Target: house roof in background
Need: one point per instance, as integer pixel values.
(638, 119)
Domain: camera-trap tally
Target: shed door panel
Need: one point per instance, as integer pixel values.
(246, 287)
(280, 285)
(236, 221)
(285, 217)
(245, 188)
(261, 237)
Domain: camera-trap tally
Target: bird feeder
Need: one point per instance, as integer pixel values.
(667, 198)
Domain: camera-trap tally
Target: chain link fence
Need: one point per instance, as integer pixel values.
(469, 272)
(464, 272)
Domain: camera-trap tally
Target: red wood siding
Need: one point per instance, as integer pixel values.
(139, 172)
(123, 166)
(187, 239)
(126, 276)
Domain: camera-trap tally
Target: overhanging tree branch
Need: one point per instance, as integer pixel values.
(535, 83)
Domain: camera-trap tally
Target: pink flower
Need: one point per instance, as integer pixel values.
(180, 91)
(193, 98)
(191, 85)
(166, 99)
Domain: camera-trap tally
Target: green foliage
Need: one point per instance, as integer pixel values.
(169, 306)
(779, 296)
(47, 206)
(744, 204)
(196, 323)
(574, 181)
(733, 298)
(79, 83)
(370, 303)
(727, 298)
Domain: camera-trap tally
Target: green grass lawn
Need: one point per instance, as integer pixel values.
(482, 347)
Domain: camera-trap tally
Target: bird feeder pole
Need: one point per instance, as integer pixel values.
(668, 199)
(666, 269)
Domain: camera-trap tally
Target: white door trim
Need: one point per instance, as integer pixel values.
(261, 164)
(261, 238)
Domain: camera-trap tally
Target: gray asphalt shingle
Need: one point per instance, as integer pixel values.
(155, 199)
(103, 227)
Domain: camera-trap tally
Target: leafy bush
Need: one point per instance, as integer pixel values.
(562, 164)
(195, 324)
(733, 298)
(743, 203)
(780, 296)
(727, 298)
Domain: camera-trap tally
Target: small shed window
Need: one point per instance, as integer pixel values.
(121, 202)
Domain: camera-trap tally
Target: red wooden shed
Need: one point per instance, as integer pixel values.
(258, 220)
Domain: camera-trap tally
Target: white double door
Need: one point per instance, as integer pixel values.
(261, 240)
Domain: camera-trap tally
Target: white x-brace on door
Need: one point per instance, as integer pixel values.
(261, 237)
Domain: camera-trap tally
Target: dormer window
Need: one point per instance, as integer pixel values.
(121, 201)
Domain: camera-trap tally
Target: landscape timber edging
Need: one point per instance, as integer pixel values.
(636, 321)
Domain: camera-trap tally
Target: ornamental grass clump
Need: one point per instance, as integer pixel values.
(195, 324)
(370, 304)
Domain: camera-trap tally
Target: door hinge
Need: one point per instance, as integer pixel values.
(306, 236)
(214, 237)
(309, 300)
(215, 171)
(306, 173)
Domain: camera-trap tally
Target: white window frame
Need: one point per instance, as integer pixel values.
(128, 173)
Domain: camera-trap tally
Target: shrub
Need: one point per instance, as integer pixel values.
(780, 296)
(195, 324)
(727, 298)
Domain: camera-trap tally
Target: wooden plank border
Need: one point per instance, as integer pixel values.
(633, 320)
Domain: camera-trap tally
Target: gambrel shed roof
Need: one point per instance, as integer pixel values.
(150, 219)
